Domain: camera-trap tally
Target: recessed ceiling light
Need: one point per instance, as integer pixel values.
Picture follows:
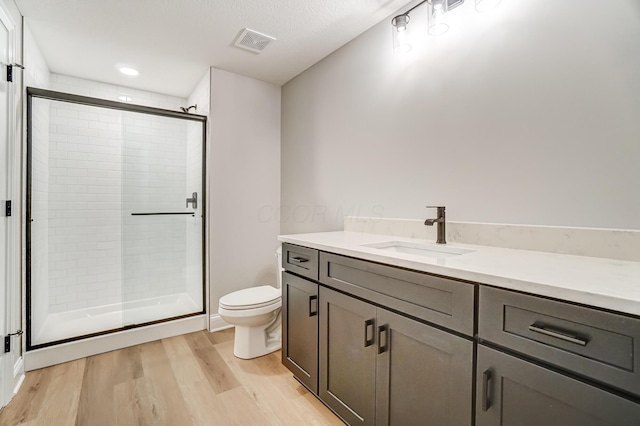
(125, 98)
(128, 71)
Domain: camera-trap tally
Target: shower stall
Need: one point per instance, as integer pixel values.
(115, 216)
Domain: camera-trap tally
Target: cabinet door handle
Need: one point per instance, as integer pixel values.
(486, 377)
(383, 329)
(298, 260)
(548, 331)
(313, 305)
(368, 342)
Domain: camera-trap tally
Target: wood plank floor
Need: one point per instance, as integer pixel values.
(192, 379)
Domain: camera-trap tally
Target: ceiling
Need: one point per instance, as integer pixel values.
(173, 42)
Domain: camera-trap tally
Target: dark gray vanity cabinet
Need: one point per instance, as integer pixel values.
(383, 345)
(302, 261)
(582, 360)
(511, 391)
(381, 368)
(348, 356)
(424, 375)
(602, 346)
(300, 329)
(432, 298)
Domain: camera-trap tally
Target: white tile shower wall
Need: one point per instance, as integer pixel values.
(154, 180)
(200, 97)
(94, 89)
(85, 247)
(105, 165)
(37, 75)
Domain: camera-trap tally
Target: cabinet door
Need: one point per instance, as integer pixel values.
(300, 329)
(511, 391)
(347, 356)
(424, 375)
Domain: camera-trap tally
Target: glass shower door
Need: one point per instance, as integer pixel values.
(111, 242)
(162, 216)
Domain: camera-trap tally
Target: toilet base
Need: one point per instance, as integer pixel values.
(252, 342)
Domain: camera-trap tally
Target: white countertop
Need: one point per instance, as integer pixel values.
(605, 283)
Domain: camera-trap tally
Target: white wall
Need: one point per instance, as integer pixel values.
(244, 158)
(528, 115)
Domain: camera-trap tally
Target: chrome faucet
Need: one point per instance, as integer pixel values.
(441, 223)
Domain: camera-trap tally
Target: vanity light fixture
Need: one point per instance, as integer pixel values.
(401, 34)
(437, 20)
(437, 17)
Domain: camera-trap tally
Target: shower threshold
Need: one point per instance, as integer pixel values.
(81, 322)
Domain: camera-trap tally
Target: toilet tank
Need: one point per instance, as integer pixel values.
(280, 269)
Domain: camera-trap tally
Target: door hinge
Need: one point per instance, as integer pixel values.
(7, 340)
(7, 208)
(10, 71)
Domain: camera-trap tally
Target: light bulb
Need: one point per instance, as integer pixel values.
(400, 33)
(437, 24)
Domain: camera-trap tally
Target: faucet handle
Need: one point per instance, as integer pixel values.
(435, 207)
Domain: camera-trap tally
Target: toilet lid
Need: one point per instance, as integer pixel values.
(249, 298)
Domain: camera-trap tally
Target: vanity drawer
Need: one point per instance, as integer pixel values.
(300, 260)
(600, 345)
(435, 299)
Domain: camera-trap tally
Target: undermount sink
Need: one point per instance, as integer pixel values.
(420, 249)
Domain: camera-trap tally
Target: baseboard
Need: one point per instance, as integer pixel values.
(216, 323)
(65, 352)
(18, 374)
(18, 367)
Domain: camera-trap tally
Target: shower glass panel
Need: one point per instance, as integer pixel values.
(161, 232)
(103, 254)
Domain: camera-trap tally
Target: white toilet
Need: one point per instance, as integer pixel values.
(256, 314)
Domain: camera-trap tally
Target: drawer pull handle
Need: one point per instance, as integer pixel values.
(368, 342)
(313, 306)
(558, 334)
(299, 260)
(382, 348)
(486, 377)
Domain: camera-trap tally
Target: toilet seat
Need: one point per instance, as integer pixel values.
(251, 298)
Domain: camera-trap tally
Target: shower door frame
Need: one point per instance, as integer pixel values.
(121, 106)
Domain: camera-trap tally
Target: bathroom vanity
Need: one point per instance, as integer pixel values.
(396, 331)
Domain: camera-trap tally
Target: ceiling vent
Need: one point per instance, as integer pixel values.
(253, 41)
